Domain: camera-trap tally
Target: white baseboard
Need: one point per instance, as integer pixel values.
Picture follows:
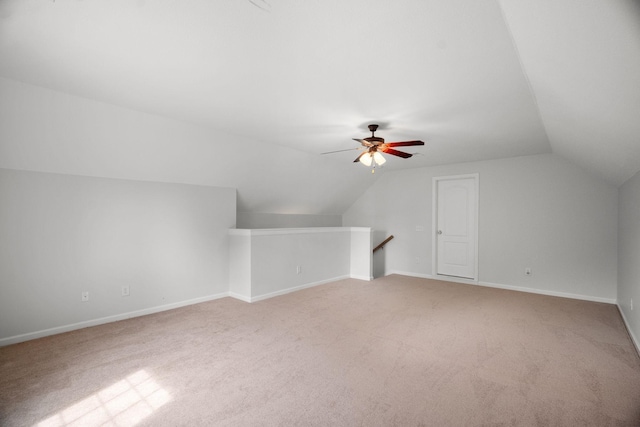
(365, 278)
(634, 339)
(287, 290)
(550, 293)
(410, 274)
(123, 316)
(510, 287)
(100, 321)
(442, 278)
(240, 297)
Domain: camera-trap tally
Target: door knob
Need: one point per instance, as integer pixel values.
(439, 231)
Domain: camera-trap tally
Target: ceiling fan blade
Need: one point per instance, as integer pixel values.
(363, 142)
(339, 151)
(404, 143)
(395, 152)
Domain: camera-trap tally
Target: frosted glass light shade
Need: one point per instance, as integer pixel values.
(366, 159)
(378, 158)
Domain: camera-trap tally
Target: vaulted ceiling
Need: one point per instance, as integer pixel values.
(475, 80)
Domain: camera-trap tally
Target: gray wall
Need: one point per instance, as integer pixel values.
(629, 254)
(61, 235)
(537, 211)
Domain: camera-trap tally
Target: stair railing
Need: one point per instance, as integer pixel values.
(384, 242)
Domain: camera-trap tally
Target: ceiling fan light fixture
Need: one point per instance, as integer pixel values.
(372, 158)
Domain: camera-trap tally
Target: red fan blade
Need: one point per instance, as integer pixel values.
(404, 143)
(363, 142)
(395, 152)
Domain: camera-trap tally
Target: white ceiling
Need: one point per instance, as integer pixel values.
(474, 79)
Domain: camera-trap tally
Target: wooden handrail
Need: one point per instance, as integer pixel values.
(384, 242)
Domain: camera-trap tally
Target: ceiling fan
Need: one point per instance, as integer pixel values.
(374, 145)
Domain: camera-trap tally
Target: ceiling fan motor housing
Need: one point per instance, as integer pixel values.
(375, 140)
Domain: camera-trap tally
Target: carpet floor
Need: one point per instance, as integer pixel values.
(397, 351)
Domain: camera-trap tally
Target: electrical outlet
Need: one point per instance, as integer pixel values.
(85, 296)
(298, 270)
(527, 271)
(125, 291)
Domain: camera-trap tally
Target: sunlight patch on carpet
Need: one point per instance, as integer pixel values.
(123, 404)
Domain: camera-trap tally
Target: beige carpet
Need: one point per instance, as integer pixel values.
(397, 351)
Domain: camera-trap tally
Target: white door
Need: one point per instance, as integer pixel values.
(456, 226)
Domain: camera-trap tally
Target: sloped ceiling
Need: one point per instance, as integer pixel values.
(474, 79)
(582, 58)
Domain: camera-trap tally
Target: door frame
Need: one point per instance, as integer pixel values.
(434, 227)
